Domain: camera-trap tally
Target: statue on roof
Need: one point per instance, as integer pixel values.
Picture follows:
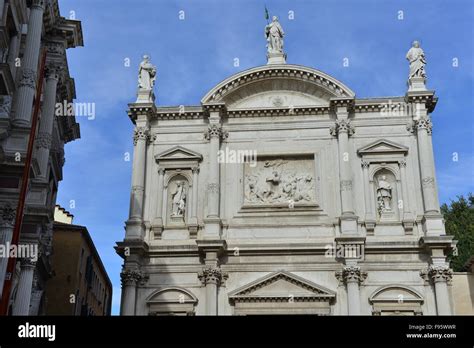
(146, 74)
(274, 34)
(417, 60)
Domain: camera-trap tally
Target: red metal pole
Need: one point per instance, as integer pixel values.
(23, 190)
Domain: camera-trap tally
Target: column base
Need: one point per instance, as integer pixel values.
(135, 229)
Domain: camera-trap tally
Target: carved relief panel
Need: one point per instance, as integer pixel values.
(280, 182)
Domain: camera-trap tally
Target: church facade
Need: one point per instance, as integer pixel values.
(284, 193)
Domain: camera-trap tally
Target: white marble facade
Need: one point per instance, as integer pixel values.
(309, 169)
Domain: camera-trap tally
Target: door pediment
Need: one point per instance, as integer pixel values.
(282, 286)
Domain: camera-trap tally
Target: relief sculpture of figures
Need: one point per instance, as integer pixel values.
(417, 60)
(146, 74)
(384, 194)
(179, 199)
(278, 182)
(274, 34)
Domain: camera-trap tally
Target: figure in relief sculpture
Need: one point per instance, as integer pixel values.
(179, 199)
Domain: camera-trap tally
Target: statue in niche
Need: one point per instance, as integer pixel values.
(384, 194)
(146, 74)
(274, 34)
(179, 199)
(417, 60)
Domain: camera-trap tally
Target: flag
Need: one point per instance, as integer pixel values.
(266, 13)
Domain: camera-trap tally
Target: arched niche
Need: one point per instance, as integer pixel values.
(171, 301)
(177, 197)
(396, 300)
(386, 190)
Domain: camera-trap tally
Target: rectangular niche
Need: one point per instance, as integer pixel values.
(280, 182)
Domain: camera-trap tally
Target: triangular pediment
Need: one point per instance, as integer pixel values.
(178, 153)
(282, 286)
(382, 147)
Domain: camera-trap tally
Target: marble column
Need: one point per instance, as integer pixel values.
(343, 129)
(214, 134)
(25, 284)
(195, 194)
(7, 215)
(134, 223)
(29, 66)
(130, 279)
(352, 276)
(440, 276)
(158, 221)
(45, 132)
(430, 198)
(212, 277)
(13, 52)
(369, 213)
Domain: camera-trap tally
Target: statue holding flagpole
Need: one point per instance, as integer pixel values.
(274, 34)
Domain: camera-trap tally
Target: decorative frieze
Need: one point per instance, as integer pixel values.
(428, 182)
(346, 185)
(213, 188)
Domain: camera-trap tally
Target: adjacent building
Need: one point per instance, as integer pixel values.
(284, 193)
(27, 29)
(80, 284)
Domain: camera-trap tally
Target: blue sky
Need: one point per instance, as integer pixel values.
(194, 54)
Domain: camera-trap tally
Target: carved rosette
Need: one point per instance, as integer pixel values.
(161, 171)
(213, 188)
(212, 275)
(437, 274)
(351, 274)
(346, 185)
(342, 126)
(140, 134)
(28, 78)
(5, 104)
(7, 213)
(195, 170)
(215, 131)
(365, 164)
(403, 163)
(130, 277)
(44, 140)
(428, 182)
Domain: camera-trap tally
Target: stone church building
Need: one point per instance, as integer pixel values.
(284, 193)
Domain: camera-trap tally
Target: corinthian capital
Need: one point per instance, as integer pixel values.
(440, 273)
(351, 274)
(133, 277)
(342, 126)
(212, 275)
(424, 123)
(215, 131)
(140, 133)
(7, 214)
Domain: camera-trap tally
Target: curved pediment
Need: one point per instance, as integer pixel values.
(277, 86)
